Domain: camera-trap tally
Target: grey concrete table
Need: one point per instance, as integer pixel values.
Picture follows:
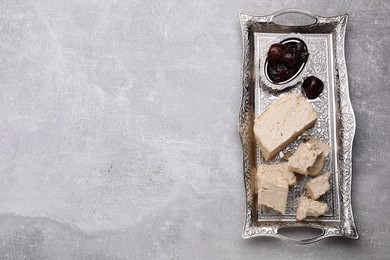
(118, 135)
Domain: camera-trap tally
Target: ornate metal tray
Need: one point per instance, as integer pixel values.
(335, 125)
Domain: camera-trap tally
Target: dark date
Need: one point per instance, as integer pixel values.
(312, 87)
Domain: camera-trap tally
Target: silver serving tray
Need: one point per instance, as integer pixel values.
(335, 126)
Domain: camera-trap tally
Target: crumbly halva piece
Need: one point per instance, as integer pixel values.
(318, 186)
(304, 157)
(273, 182)
(319, 164)
(284, 120)
(310, 208)
(270, 170)
(309, 158)
(273, 193)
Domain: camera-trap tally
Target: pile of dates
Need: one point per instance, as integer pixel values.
(285, 60)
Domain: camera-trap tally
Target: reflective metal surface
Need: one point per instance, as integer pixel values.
(335, 125)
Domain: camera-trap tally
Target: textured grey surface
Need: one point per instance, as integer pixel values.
(118, 134)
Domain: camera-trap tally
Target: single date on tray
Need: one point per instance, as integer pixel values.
(286, 59)
(313, 87)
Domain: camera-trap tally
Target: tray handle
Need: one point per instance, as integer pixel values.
(293, 11)
(302, 241)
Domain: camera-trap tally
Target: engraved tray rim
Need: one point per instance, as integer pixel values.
(345, 119)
